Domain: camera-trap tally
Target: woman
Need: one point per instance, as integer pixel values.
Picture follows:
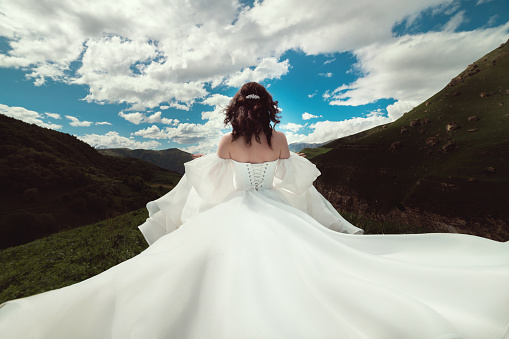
(245, 247)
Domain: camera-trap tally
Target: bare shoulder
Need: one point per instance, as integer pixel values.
(279, 137)
(227, 138)
(279, 141)
(223, 151)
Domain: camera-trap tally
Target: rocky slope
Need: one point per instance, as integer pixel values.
(443, 165)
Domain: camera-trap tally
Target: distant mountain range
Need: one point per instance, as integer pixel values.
(444, 165)
(298, 146)
(171, 159)
(52, 181)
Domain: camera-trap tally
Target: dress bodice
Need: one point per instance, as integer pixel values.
(210, 181)
(254, 176)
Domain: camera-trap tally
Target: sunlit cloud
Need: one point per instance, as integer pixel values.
(53, 115)
(113, 140)
(75, 122)
(27, 115)
(307, 116)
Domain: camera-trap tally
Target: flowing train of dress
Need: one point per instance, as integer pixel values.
(253, 251)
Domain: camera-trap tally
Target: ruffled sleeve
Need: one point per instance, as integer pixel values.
(211, 177)
(295, 174)
(294, 180)
(207, 182)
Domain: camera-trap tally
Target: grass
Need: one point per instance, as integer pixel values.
(167, 180)
(313, 152)
(68, 257)
(372, 226)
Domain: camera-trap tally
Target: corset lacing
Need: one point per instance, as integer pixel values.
(256, 174)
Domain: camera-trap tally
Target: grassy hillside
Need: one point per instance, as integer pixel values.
(171, 159)
(447, 157)
(68, 257)
(53, 181)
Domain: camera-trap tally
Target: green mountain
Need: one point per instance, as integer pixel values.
(443, 166)
(52, 181)
(172, 159)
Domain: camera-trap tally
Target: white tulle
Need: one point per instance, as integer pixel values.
(210, 180)
(242, 251)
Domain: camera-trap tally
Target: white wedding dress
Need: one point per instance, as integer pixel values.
(245, 251)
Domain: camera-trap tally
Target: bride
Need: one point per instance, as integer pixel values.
(245, 247)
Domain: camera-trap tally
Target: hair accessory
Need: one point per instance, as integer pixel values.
(252, 96)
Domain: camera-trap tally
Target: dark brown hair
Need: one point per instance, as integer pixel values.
(249, 116)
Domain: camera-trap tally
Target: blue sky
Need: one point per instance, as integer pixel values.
(128, 74)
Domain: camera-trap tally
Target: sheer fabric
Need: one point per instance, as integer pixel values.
(211, 180)
(240, 255)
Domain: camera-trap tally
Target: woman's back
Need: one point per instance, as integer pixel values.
(256, 152)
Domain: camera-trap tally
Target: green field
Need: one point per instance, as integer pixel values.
(65, 258)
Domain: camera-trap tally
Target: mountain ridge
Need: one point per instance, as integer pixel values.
(442, 165)
(54, 181)
(172, 159)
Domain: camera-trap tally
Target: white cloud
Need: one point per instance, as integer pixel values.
(291, 127)
(492, 20)
(156, 118)
(135, 117)
(53, 115)
(77, 123)
(375, 113)
(103, 123)
(327, 75)
(312, 94)
(455, 22)
(179, 106)
(329, 61)
(201, 138)
(396, 110)
(412, 68)
(218, 100)
(152, 132)
(324, 131)
(26, 115)
(184, 133)
(268, 68)
(175, 105)
(328, 130)
(113, 140)
(480, 2)
(171, 51)
(307, 116)
(294, 137)
(138, 118)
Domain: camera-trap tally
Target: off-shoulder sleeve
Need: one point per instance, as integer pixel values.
(211, 177)
(295, 174)
(207, 182)
(294, 180)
